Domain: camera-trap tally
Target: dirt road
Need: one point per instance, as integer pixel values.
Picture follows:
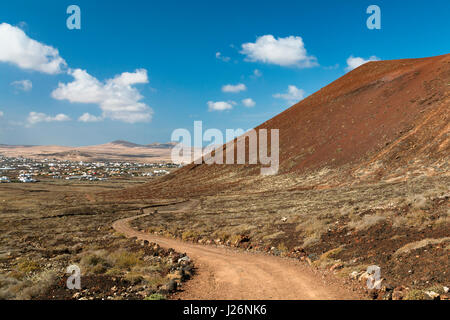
(223, 273)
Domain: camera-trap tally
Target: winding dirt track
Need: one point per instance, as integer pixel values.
(223, 273)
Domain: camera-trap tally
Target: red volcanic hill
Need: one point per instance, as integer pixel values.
(380, 118)
(373, 107)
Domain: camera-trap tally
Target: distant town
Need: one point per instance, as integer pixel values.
(25, 170)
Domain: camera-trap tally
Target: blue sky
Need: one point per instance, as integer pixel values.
(152, 66)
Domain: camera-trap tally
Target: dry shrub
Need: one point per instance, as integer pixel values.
(96, 262)
(282, 247)
(274, 236)
(134, 278)
(419, 202)
(420, 244)
(311, 240)
(366, 222)
(416, 294)
(41, 282)
(28, 266)
(329, 257)
(27, 288)
(347, 211)
(399, 222)
(417, 218)
(155, 280)
(126, 260)
(6, 285)
(190, 235)
(312, 229)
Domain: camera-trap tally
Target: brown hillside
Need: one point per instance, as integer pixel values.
(367, 111)
(374, 121)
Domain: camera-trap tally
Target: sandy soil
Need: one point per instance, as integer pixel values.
(229, 274)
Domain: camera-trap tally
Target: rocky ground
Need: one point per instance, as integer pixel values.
(400, 226)
(155, 274)
(47, 227)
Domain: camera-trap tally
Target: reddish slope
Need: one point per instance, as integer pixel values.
(363, 112)
(388, 111)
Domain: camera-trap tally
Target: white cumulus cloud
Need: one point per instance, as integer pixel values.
(36, 117)
(234, 88)
(1, 114)
(24, 85)
(220, 105)
(257, 73)
(355, 62)
(222, 57)
(289, 51)
(293, 95)
(17, 48)
(117, 98)
(248, 102)
(87, 117)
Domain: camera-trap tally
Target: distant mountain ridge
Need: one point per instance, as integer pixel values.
(157, 145)
(167, 145)
(118, 150)
(126, 144)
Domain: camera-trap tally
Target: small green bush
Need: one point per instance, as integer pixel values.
(155, 296)
(415, 294)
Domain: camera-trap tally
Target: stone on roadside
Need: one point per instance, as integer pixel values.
(76, 295)
(184, 259)
(172, 285)
(364, 276)
(336, 266)
(433, 295)
(399, 293)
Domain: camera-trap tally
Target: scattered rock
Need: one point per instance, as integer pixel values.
(312, 256)
(77, 295)
(433, 295)
(177, 276)
(363, 277)
(188, 271)
(242, 239)
(373, 294)
(172, 285)
(143, 294)
(184, 259)
(336, 266)
(309, 261)
(399, 293)
(297, 252)
(275, 251)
